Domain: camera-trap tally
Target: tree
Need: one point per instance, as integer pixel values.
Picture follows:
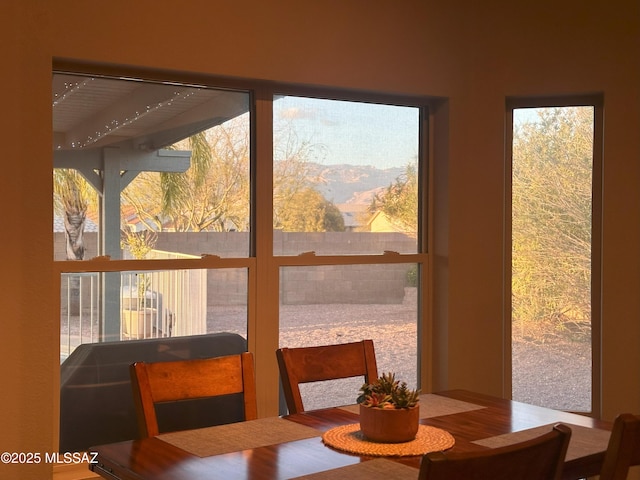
(551, 221)
(213, 195)
(72, 196)
(309, 211)
(297, 205)
(399, 201)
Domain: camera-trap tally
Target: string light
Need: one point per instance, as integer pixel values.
(118, 124)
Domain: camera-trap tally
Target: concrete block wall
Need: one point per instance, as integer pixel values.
(299, 285)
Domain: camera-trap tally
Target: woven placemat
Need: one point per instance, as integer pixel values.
(432, 405)
(584, 440)
(233, 437)
(349, 438)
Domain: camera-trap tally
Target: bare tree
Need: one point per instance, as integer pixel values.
(213, 195)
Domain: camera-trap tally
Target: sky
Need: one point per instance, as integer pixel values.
(525, 115)
(355, 133)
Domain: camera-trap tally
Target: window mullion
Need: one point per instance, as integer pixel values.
(263, 332)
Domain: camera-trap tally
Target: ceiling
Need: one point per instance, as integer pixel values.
(94, 112)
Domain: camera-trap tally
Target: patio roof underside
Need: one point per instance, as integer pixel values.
(94, 112)
(111, 129)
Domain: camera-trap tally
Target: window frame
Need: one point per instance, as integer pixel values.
(262, 266)
(597, 102)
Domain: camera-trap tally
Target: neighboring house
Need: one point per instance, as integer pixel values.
(379, 222)
(352, 215)
(355, 220)
(350, 221)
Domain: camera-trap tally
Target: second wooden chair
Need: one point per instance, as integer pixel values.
(623, 450)
(327, 362)
(159, 382)
(540, 458)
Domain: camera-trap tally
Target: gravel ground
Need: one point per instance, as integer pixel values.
(555, 374)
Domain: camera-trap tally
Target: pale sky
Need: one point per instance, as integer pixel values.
(354, 133)
(525, 115)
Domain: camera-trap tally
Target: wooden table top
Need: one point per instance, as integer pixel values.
(156, 458)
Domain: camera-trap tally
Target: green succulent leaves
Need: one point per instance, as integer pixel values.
(387, 392)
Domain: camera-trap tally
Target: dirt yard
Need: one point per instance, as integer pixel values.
(555, 374)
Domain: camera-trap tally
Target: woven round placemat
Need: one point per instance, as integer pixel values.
(349, 438)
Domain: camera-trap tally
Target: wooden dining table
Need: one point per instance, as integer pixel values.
(298, 446)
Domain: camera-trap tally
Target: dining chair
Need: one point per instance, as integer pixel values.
(326, 362)
(623, 450)
(540, 458)
(174, 381)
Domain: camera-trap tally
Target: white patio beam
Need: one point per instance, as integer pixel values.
(129, 162)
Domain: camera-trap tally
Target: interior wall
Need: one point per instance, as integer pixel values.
(471, 53)
(543, 49)
(336, 43)
(28, 362)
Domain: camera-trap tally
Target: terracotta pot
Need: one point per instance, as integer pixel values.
(389, 425)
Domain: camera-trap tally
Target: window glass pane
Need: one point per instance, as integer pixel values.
(132, 157)
(345, 177)
(338, 304)
(145, 316)
(152, 304)
(76, 221)
(551, 256)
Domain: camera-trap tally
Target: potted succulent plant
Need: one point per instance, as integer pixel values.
(389, 410)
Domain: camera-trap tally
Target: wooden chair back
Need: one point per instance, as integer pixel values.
(623, 450)
(190, 379)
(327, 362)
(541, 458)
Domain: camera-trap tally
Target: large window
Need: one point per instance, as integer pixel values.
(183, 209)
(555, 191)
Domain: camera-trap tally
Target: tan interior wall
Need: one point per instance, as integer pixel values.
(472, 54)
(546, 48)
(26, 342)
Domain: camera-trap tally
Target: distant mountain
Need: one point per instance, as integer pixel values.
(352, 184)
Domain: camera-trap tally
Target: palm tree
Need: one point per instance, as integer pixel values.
(72, 196)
